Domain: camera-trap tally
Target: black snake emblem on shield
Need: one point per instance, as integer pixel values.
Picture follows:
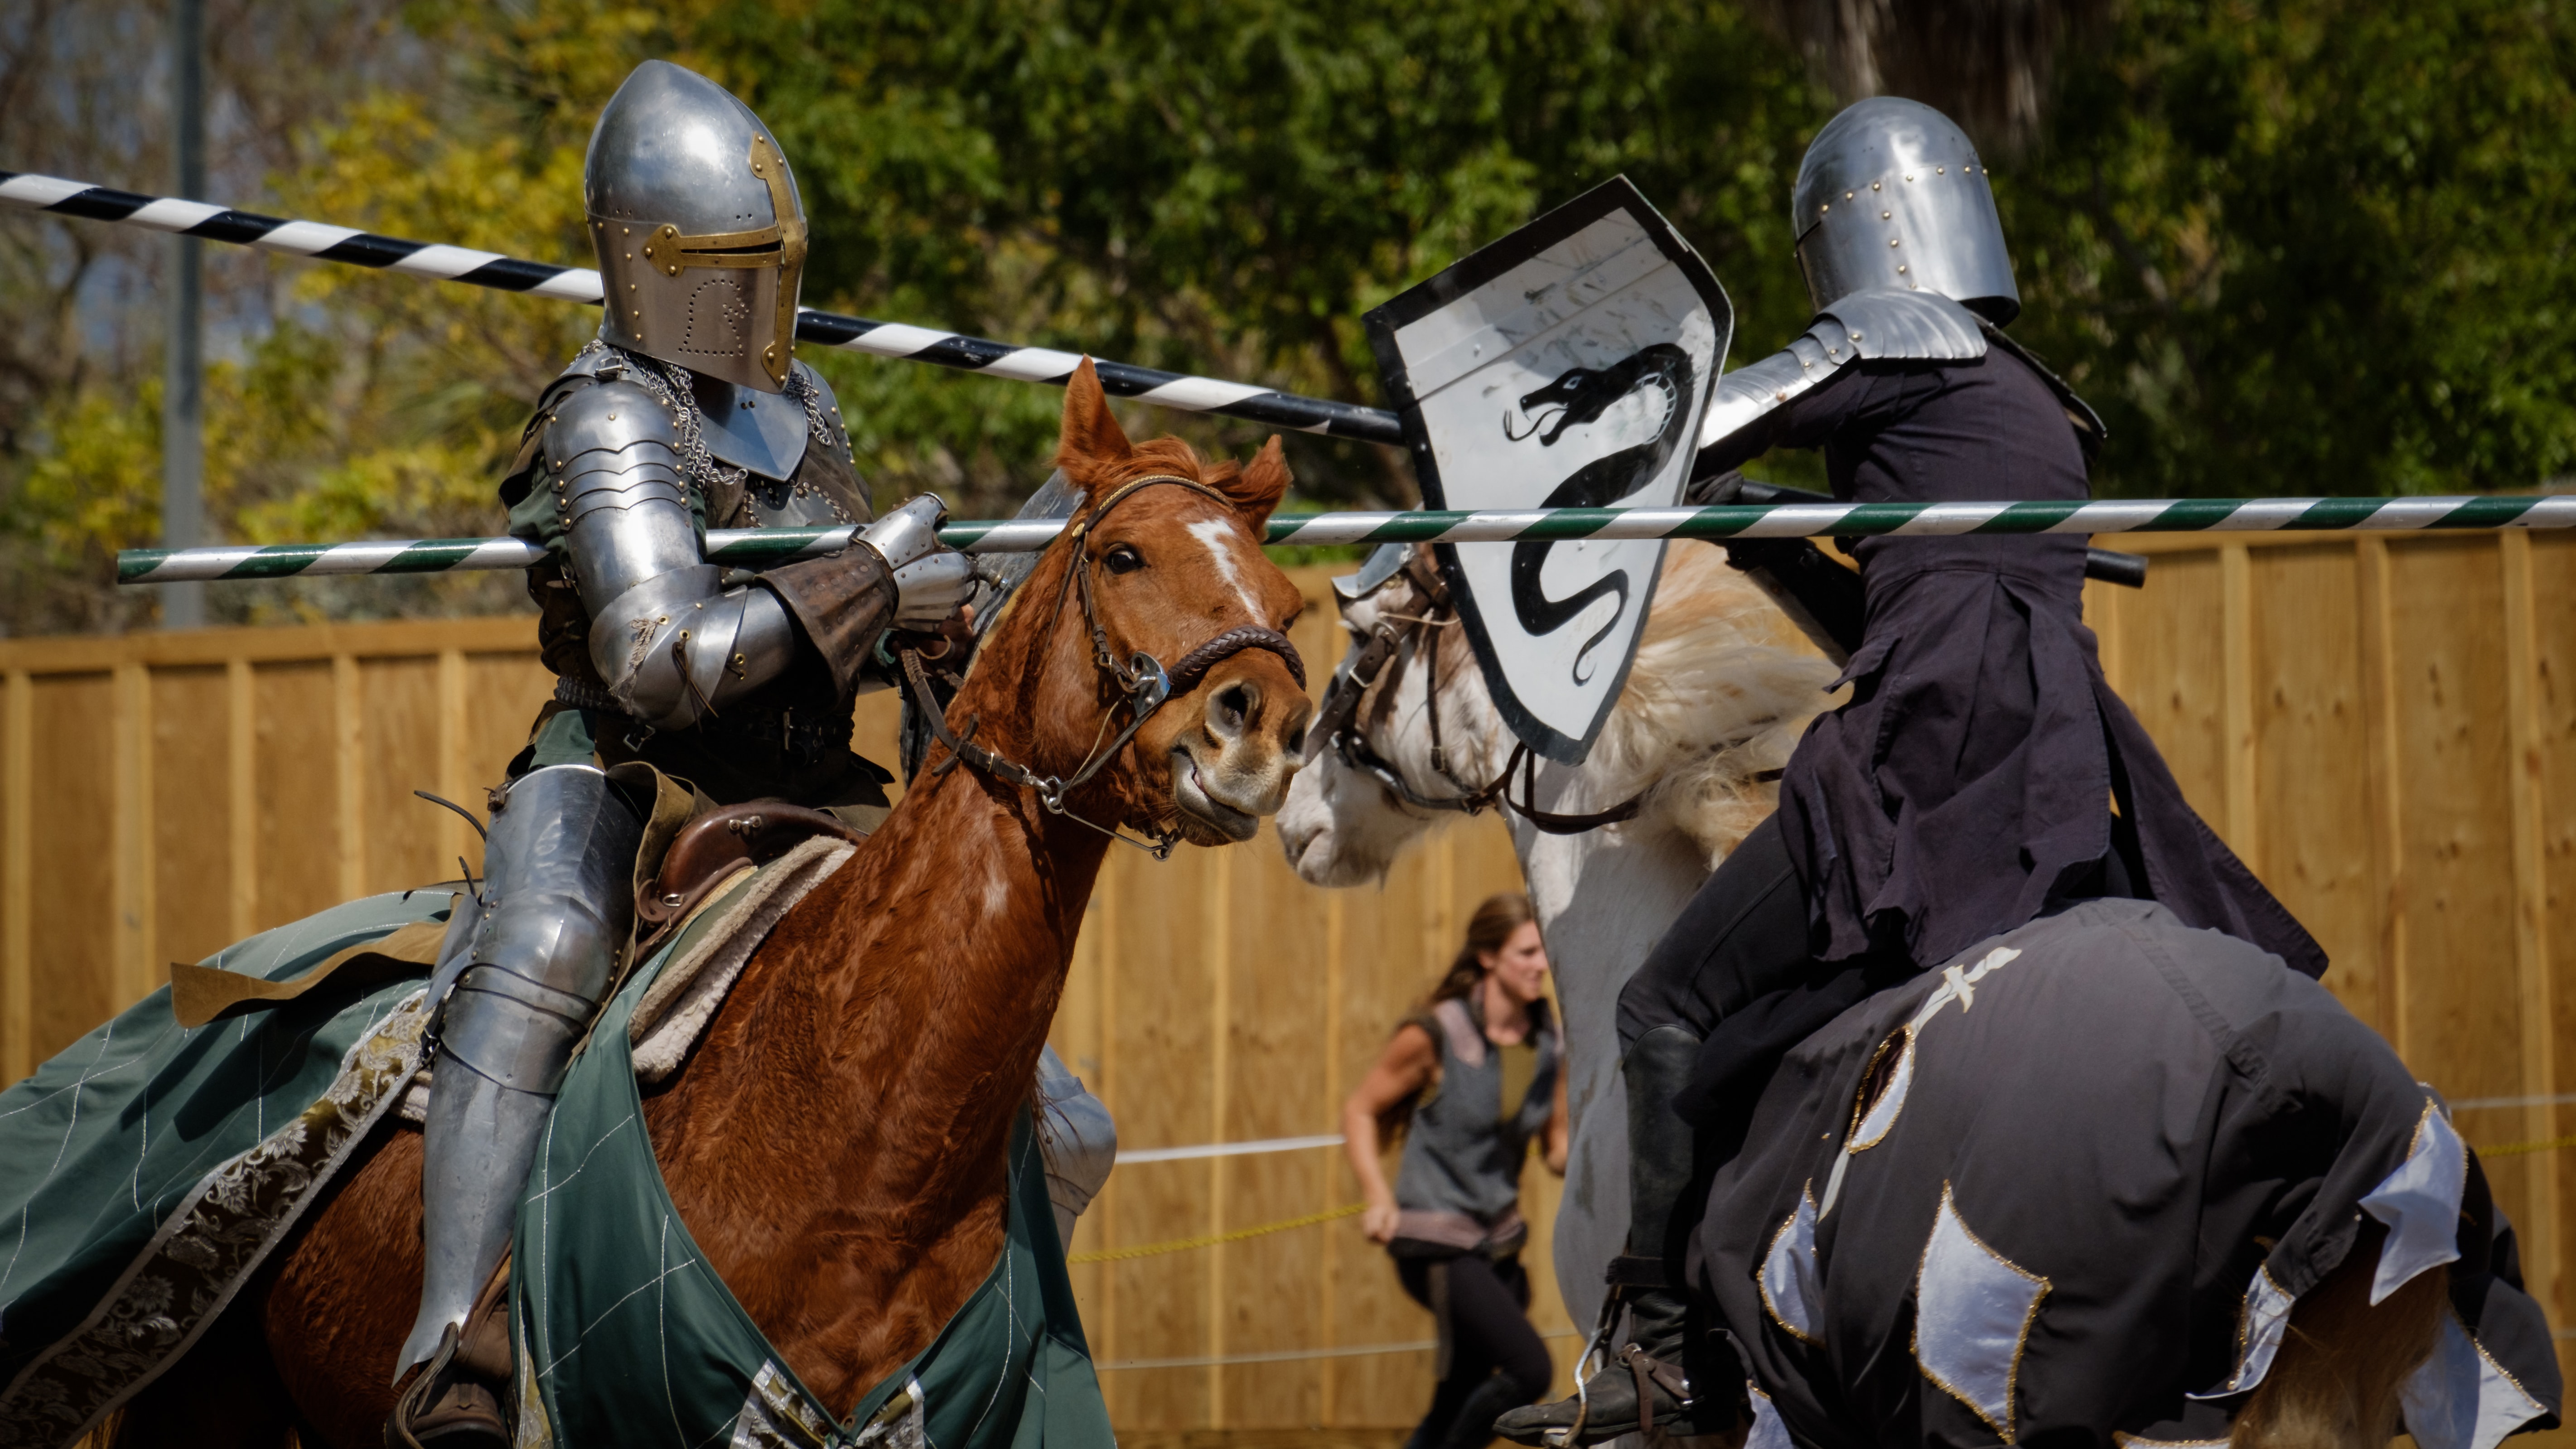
(1582, 395)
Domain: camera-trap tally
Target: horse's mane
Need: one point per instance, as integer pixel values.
(1721, 690)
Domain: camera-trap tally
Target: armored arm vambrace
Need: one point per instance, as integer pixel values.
(671, 642)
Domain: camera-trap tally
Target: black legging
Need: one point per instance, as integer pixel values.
(1733, 968)
(1481, 1308)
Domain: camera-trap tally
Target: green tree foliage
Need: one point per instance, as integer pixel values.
(2302, 246)
(2313, 247)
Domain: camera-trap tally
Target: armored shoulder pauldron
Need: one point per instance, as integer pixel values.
(1872, 325)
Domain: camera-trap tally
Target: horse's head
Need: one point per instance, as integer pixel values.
(1157, 599)
(1372, 788)
(1712, 706)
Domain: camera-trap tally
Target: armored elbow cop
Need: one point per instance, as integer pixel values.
(930, 579)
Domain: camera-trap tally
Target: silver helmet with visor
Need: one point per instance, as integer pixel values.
(700, 232)
(1892, 195)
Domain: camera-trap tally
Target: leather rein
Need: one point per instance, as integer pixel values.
(1418, 620)
(1143, 681)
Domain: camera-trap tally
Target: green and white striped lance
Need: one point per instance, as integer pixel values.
(755, 547)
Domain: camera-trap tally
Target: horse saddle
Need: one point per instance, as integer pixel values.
(710, 849)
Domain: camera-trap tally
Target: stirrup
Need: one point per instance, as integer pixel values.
(444, 1394)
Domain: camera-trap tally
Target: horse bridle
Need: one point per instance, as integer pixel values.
(1142, 679)
(1423, 614)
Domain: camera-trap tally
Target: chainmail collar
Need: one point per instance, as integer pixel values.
(675, 387)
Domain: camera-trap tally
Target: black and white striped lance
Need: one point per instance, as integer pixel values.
(580, 284)
(753, 547)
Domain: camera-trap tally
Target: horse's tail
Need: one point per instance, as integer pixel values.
(2334, 1383)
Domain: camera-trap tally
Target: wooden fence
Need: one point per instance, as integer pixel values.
(2384, 728)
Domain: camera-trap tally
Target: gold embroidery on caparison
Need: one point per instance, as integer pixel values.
(1863, 1103)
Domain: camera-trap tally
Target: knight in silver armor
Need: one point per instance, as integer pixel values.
(1904, 256)
(690, 412)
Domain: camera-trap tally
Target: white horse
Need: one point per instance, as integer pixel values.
(1715, 701)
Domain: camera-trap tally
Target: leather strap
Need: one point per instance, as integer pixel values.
(1194, 665)
(1630, 1271)
(1549, 822)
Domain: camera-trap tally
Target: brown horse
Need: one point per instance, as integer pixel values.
(836, 1141)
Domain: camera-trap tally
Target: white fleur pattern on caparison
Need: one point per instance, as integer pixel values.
(2420, 1204)
(1972, 1317)
(1789, 1273)
(2462, 1399)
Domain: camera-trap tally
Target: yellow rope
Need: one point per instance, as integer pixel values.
(2516, 1149)
(1181, 1245)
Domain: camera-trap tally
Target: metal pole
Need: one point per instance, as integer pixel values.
(755, 547)
(939, 348)
(183, 396)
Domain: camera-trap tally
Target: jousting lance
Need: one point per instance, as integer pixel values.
(897, 340)
(756, 547)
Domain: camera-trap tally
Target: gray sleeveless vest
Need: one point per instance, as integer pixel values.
(1459, 1183)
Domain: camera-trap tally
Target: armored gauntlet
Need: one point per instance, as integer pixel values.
(930, 578)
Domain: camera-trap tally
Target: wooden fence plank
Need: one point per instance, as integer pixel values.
(455, 730)
(130, 795)
(2553, 700)
(1164, 1049)
(2241, 754)
(298, 786)
(2310, 733)
(241, 794)
(349, 772)
(191, 796)
(2527, 790)
(2460, 993)
(18, 1055)
(71, 877)
(2385, 773)
(2174, 681)
(399, 719)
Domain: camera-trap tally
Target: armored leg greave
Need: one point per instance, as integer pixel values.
(557, 899)
(1640, 1383)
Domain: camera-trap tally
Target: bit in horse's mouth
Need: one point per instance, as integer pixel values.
(1194, 798)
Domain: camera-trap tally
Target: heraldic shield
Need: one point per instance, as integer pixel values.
(1565, 366)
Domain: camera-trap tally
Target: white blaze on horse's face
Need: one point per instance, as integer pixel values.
(1223, 539)
(1341, 825)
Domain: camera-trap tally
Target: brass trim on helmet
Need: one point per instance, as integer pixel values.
(669, 251)
(770, 167)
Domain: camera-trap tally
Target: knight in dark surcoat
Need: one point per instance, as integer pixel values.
(1983, 772)
(689, 412)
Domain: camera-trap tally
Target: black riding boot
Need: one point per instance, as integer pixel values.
(1640, 1383)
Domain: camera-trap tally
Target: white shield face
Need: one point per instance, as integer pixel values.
(1565, 366)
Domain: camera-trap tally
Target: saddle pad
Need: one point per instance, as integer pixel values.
(149, 1168)
(626, 1336)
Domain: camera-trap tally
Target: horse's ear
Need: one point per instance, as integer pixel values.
(1258, 489)
(1092, 438)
